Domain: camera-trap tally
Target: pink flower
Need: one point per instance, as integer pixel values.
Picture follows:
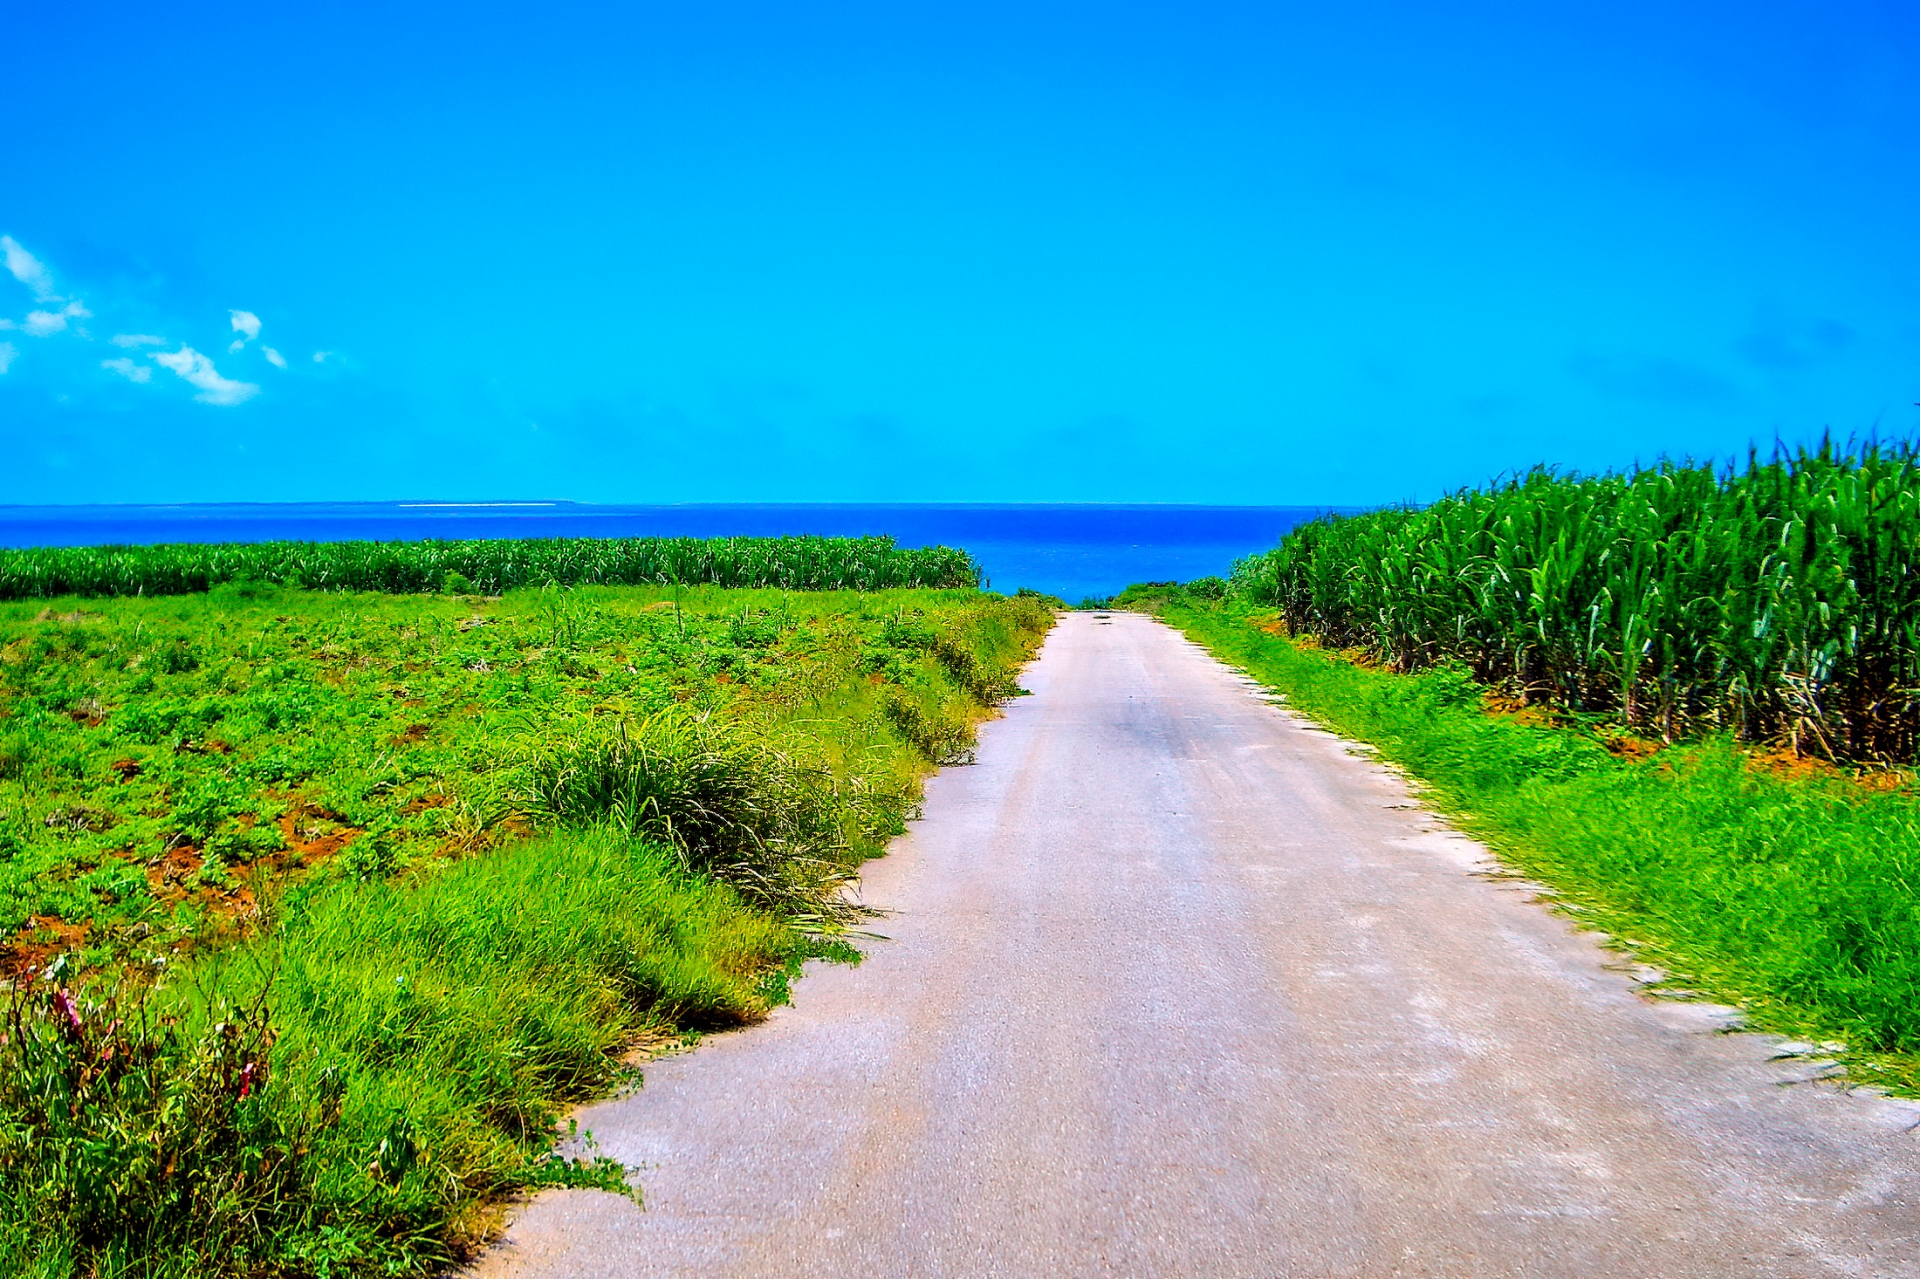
(63, 1005)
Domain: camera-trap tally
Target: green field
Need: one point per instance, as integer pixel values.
(1779, 602)
(321, 905)
(789, 563)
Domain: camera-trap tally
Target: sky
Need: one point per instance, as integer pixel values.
(1193, 252)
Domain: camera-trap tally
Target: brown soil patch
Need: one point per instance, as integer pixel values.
(310, 842)
(38, 942)
(1632, 748)
(127, 768)
(167, 874)
(1507, 704)
(1781, 761)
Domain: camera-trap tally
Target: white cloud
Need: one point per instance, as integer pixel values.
(138, 339)
(43, 323)
(7, 354)
(247, 325)
(198, 370)
(29, 270)
(127, 369)
(274, 357)
(320, 357)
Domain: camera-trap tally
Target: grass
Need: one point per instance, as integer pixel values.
(1793, 891)
(158, 756)
(493, 565)
(422, 1040)
(1781, 601)
(322, 906)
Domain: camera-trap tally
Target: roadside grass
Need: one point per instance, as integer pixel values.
(421, 1043)
(516, 837)
(1793, 894)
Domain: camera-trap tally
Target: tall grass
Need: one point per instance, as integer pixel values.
(1778, 601)
(788, 563)
(731, 801)
(422, 1040)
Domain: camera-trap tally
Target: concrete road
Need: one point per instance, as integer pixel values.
(1178, 985)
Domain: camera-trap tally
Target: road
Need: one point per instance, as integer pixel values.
(1178, 984)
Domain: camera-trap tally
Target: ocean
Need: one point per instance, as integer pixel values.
(1074, 551)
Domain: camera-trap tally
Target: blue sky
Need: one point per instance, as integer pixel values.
(945, 252)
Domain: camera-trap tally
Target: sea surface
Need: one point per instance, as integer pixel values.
(1073, 551)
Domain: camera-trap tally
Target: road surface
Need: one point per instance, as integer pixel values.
(1179, 985)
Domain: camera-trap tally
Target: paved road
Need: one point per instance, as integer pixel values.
(1177, 985)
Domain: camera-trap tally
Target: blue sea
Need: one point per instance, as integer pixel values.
(1073, 551)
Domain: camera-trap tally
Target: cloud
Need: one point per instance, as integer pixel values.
(128, 369)
(320, 357)
(247, 325)
(137, 339)
(29, 270)
(198, 370)
(41, 324)
(274, 357)
(7, 354)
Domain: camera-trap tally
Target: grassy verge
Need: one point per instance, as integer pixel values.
(1793, 893)
(322, 907)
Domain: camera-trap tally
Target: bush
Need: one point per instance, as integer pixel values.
(725, 797)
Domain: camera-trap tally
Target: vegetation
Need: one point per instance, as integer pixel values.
(788, 563)
(1776, 602)
(320, 907)
(1782, 884)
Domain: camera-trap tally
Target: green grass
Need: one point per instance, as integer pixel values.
(323, 906)
(1796, 896)
(789, 563)
(422, 1041)
(1777, 602)
(159, 755)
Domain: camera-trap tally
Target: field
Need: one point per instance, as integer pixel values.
(321, 905)
(1776, 603)
(788, 563)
